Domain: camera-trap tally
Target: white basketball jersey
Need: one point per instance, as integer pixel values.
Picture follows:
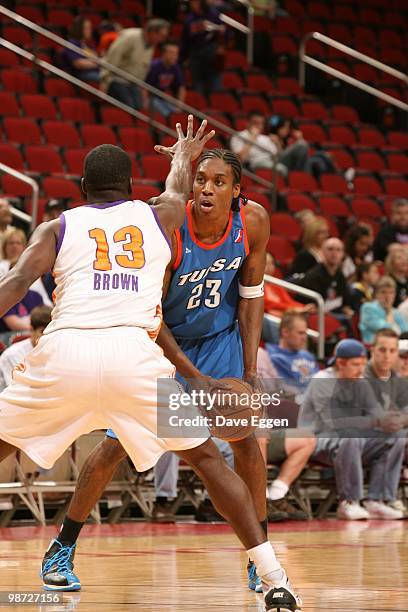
(109, 270)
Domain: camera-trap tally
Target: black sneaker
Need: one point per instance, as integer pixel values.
(162, 513)
(275, 515)
(283, 599)
(57, 568)
(293, 513)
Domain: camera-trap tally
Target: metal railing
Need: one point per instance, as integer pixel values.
(313, 295)
(222, 127)
(306, 59)
(31, 219)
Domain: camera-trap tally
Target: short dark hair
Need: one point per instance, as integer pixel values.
(40, 317)
(255, 113)
(156, 24)
(232, 160)
(77, 29)
(289, 316)
(386, 332)
(363, 269)
(107, 167)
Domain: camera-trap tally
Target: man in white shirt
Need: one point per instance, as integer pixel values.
(251, 154)
(16, 353)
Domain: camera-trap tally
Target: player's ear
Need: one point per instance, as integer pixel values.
(236, 190)
(83, 186)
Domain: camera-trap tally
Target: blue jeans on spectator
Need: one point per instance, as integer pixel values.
(89, 75)
(128, 93)
(162, 106)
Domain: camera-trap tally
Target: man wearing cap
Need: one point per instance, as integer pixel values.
(353, 431)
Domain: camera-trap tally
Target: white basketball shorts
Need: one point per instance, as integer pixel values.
(75, 381)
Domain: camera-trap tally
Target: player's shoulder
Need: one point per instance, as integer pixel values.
(257, 223)
(255, 213)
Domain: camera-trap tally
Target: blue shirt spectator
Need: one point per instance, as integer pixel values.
(165, 74)
(18, 317)
(81, 66)
(380, 314)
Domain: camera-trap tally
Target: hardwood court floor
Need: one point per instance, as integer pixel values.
(335, 565)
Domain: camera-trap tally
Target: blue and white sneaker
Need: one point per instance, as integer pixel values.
(254, 582)
(57, 568)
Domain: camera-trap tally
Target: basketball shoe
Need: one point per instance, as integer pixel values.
(57, 568)
(254, 581)
(282, 598)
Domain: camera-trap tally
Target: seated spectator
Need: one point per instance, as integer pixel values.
(380, 313)
(288, 364)
(5, 222)
(395, 231)
(82, 66)
(16, 353)
(277, 299)
(108, 33)
(396, 266)
(402, 362)
(315, 232)
(327, 279)
(303, 217)
(132, 52)
(53, 209)
(202, 44)
(165, 74)
(13, 245)
(260, 152)
(354, 431)
(367, 277)
(358, 241)
(18, 317)
(293, 150)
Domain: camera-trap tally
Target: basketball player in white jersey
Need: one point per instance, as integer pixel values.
(97, 364)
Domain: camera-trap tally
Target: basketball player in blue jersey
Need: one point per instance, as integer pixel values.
(213, 311)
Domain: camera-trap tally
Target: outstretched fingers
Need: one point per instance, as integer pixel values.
(190, 126)
(180, 132)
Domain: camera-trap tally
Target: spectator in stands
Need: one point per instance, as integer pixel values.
(303, 217)
(327, 279)
(396, 231)
(396, 266)
(353, 431)
(132, 52)
(277, 299)
(108, 33)
(165, 74)
(402, 363)
(202, 44)
(13, 245)
(260, 151)
(17, 319)
(83, 67)
(5, 222)
(367, 277)
(53, 209)
(315, 232)
(40, 317)
(358, 242)
(380, 313)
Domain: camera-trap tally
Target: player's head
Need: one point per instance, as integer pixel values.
(217, 182)
(40, 317)
(107, 174)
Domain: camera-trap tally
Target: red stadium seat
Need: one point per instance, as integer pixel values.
(8, 104)
(398, 139)
(235, 59)
(371, 137)
(32, 13)
(302, 181)
(282, 250)
(367, 185)
(331, 206)
(8, 59)
(11, 156)
(343, 158)
(74, 159)
(61, 188)
(343, 12)
(23, 131)
(313, 132)
(397, 162)
(155, 167)
(115, 116)
(333, 183)
(365, 34)
(144, 192)
(61, 134)
(76, 109)
(285, 225)
(60, 17)
(287, 108)
(391, 38)
(19, 81)
(15, 187)
(288, 85)
(340, 32)
(225, 102)
(284, 45)
(254, 103)
(396, 187)
(366, 207)
(196, 99)
(18, 35)
(345, 113)
(259, 82)
(107, 6)
(319, 10)
(342, 134)
(260, 198)
(136, 139)
(299, 201)
(232, 80)
(370, 160)
(94, 135)
(59, 87)
(370, 16)
(44, 159)
(39, 106)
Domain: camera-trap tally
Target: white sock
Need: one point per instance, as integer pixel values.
(277, 489)
(268, 567)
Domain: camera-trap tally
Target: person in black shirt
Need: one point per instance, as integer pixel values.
(396, 231)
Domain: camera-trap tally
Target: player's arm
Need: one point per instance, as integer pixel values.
(251, 300)
(171, 204)
(38, 258)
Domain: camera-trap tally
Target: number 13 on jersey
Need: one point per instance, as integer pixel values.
(133, 256)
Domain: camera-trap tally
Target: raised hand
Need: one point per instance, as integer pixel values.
(190, 144)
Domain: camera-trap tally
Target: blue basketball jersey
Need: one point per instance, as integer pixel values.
(202, 298)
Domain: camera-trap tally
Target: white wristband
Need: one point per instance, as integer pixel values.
(251, 292)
